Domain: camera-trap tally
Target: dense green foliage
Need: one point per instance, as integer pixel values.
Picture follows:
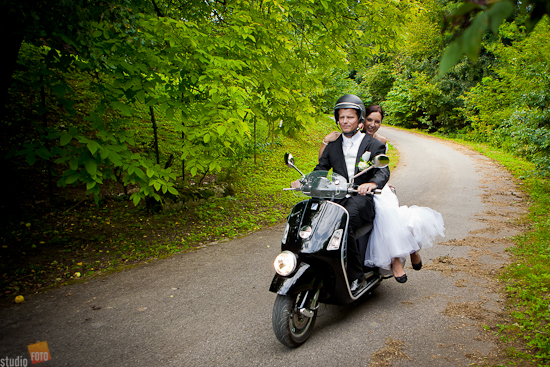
(501, 99)
(511, 109)
(122, 90)
(471, 19)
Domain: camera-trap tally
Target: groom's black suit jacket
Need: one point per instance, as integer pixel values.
(333, 157)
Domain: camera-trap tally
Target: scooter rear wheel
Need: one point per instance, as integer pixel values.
(290, 327)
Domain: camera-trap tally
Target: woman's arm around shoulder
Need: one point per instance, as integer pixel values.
(328, 139)
(380, 138)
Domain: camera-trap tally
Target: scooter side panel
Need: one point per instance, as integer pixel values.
(324, 217)
(294, 220)
(329, 218)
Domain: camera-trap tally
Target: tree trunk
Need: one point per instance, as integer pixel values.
(255, 140)
(155, 133)
(182, 140)
(45, 139)
(10, 46)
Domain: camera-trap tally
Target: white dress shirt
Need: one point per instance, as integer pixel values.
(350, 147)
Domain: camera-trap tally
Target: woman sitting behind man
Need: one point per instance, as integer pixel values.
(397, 231)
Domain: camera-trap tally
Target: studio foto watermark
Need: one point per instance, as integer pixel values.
(39, 353)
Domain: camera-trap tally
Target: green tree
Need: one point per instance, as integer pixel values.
(510, 109)
(407, 82)
(121, 87)
(472, 18)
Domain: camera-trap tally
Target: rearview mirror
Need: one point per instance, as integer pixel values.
(289, 161)
(381, 161)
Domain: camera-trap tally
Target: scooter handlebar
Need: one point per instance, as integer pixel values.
(374, 192)
(351, 191)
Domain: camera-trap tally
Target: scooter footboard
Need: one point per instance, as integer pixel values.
(302, 279)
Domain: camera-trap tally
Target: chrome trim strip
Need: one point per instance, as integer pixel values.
(369, 285)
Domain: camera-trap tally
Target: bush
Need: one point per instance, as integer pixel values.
(414, 102)
(377, 81)
(530, 136)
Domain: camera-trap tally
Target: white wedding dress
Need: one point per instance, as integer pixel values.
(399, 231)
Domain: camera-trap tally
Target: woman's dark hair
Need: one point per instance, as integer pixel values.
(374, 108)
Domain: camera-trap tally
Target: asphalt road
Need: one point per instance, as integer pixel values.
(212, 307)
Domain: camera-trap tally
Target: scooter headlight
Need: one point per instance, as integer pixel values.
(285, 263)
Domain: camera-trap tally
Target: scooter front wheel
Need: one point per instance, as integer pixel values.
(291, 327)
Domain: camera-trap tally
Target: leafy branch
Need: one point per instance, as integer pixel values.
(472, 18)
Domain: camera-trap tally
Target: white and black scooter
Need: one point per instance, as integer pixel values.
(311, 268)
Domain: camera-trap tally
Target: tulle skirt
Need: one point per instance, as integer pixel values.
(400, 231)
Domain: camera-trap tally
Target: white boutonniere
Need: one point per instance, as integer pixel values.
(362, 165)
(364, 162)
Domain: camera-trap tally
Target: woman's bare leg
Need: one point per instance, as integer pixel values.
(416, 261)
(397, 268)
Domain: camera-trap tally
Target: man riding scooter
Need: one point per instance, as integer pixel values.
(343, 156)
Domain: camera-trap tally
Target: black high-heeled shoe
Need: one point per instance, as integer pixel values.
(417, 266)
(401, 279)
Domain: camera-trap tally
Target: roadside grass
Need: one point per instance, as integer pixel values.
(80, 239)
(528, 276)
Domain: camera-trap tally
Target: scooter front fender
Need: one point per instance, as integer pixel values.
(303, 279)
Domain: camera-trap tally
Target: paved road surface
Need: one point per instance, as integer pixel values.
(212, 307)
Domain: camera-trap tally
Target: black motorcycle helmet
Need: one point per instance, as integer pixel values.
(350, 101)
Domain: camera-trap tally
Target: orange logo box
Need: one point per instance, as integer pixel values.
(39, 352)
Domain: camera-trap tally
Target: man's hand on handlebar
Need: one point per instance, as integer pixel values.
(296, 184)
(366, 188)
